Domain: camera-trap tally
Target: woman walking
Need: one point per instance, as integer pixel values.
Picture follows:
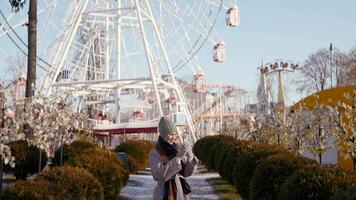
(170, 163)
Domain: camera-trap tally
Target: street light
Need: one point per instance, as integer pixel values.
(331, 64)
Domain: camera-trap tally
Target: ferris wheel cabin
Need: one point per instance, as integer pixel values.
(198, 84)
(219, 52)
(20, 88)
(233, 17)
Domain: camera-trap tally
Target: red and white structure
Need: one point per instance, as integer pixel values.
(120, 60)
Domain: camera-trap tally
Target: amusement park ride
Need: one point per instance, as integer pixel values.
(120, 61)
(278, 67)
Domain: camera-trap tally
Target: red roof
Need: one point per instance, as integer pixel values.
(126, 128)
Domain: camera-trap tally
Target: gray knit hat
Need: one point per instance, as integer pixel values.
(166, 127)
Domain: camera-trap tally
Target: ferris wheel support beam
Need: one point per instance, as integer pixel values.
(51, 78)
(149, 62)
(107, 46)
(118, 61)
(177, 87)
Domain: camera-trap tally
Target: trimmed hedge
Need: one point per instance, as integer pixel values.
(73, 183)
(28, 190)
(271, 173)
(347, 194)
(26, 159)
(106, 167)
(90, 173)
(315, 182)
(221, 152)
(205, 148)
(246, 163)
(132, 164)
(137, 149)
(72, 150)
(261, 171)
(231, 157)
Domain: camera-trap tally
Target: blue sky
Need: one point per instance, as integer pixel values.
(288, 29)
(282, 29)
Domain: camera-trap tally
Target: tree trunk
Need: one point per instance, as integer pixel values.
(320, 132)
(1, 173)
(32, 48)
(354, 162)
(61, 157)
(40, 162)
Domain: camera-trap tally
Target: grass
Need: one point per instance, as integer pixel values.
(223, 189)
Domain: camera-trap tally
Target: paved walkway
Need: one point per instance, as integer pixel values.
(140, 186)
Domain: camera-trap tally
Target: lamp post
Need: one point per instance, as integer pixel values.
(331, 64)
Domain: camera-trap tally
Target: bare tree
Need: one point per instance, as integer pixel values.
(339, 66)
(317, 70)
(350, 75)
(16, 66)
(314, 72)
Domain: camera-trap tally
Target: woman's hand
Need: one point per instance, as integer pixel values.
(183, 150)
(190, 154)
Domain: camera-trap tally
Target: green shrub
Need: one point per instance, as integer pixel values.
(211, 147)
(210, 161)
(231, 156)
(72, 150)
(246, 163)
(271, 173)
(221, 149)
(132, 164)
(150, 144)
(73, 183)
(315, 182)
(138, 149)
(199, 147)
(346, 194)
(220, 156)
(28, 190)
(106, 167)
(26, 159)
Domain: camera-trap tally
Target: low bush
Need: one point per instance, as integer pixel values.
(137, 149)
(220, 156)
(220, 152)
(26, 159)
(200, 147)
(73, 183)
(315, 182)
(132, 164)
(271, 173)
(232, 155)
(72, 150)
(106, 167)
(214, 150)
(209, 147)
(246, 163)
(28, 190)
(348, 193)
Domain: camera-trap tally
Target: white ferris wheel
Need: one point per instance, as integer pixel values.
(112, 54)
